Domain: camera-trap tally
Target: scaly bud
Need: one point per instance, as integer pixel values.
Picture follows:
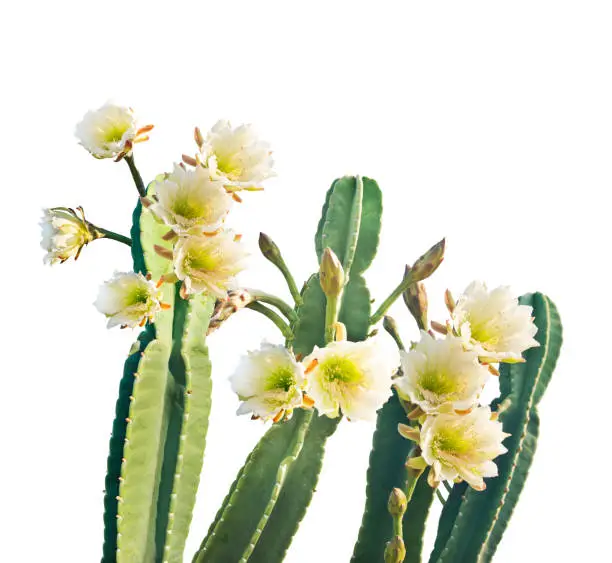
(397, 503)
(449, 301)
(269, 249)
(429, 262)
(415, 298)
(331, 274)
(395, 552)
(390, 326)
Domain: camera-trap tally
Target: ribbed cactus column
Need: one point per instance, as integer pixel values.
(271, 494)
(159, 434)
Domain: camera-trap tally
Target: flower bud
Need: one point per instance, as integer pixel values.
(64, 234)
(429, 262)
(395, 552)
(331, 274)
(415, 298)
(269, 249)
(397, 503)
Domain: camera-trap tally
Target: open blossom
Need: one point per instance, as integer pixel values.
(352, 377)
(460, 446)
(64, 234)
(237, 156)
(441, 373)
(494, 324)
(128, 299)
(110, 131)
(208, 263)
(188, 200)
(269, 382)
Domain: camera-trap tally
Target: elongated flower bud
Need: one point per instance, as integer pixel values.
(331, 274)
(395, 552)
(415, 298)
(429, 262)
(269, 249)
(397, 503)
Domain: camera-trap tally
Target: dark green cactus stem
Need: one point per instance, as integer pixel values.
(472, 523)
(270, 496)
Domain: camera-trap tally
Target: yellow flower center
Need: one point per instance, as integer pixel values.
(281, 378)
(340, 370)
(115, 133)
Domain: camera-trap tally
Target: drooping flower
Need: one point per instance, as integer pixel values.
(459, 446)
(189, 201)
(128, 299)
(208, 263)
(237, 156)
(64, 234)
(352, 377)
(110, 131)
(441, 373)
(493, 323)
(269, 382)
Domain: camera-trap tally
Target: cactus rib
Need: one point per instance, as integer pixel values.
(192, 440)
(140, 465)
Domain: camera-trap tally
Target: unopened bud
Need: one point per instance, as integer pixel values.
(429, 262)
(449, 301)
(390, 326)
(395, 552)
(197, 136)
(415, 298)
(331, 274)
(397, 503)
(269, 249)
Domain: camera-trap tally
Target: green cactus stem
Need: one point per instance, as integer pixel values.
(472, 523)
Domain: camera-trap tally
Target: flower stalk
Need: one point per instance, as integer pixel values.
(272, 253)
(142, 191)
(274, 317)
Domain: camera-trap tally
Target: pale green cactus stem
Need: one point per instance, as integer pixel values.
(140, 468)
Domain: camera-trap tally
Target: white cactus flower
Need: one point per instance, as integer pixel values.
(64, 234)
(494, 324)
(189, 201)
(237, 156)
(269, 382)
(441, 374)
(208, 263)
(462, 446)
(352, 377)
(128, 299)
(110, 131)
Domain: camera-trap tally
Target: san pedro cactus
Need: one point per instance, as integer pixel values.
(434, 437)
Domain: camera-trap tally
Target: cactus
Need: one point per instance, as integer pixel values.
(185, 261)
(165, 428)
(270, 497)
(388, 470)
(472, 523)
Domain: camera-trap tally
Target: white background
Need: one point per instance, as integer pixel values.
(489, 123)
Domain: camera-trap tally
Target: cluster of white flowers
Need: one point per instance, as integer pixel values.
(349, 377)
(192, 201)
(444, 378)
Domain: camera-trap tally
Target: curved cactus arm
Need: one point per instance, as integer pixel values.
(141, 456)
(302, 478)
(117, 440)
(192, 439)
(388, 470)
(341, 214)
(482, 517)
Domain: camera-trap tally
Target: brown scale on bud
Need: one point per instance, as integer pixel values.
(429, 262)
(415, 298)
(189, 160)
(225, 308)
